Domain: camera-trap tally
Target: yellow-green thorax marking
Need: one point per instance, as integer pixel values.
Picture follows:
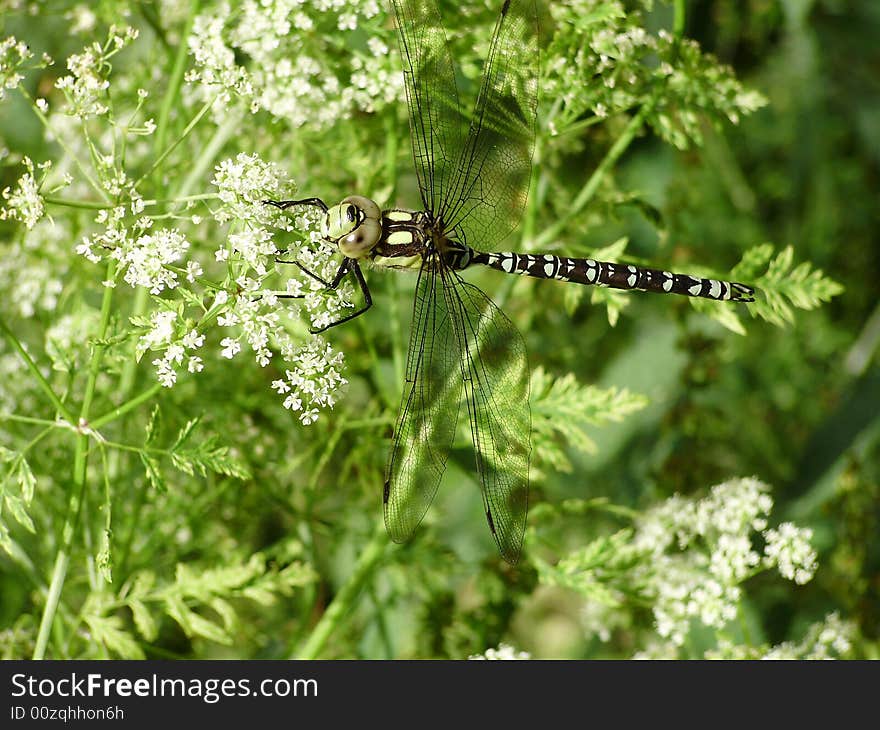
(394, 238)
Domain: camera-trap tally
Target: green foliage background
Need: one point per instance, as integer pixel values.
(249, 535)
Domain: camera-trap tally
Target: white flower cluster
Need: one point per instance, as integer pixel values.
(503, 652)
(259, 321)
(243, 183)
(313, 382)
(177, 350)
(23, 202)
(283, 39)
(701, 550)
(145, 259)
(34, 267)
(116, 235)
(829, 639)
(86, 85)
(608, 64)
(788, 547)
(13, 54)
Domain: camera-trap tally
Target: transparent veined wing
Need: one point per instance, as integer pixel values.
(435, 116)
(462, 349)
(428, 413)
(491, 180)
(496, 390)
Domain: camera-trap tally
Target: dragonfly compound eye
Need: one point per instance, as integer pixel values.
(361, 240)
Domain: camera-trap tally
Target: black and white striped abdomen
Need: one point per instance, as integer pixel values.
(617, 276)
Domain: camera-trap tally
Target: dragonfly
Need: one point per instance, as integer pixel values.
(473, 176)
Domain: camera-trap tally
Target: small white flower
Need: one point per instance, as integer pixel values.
(193, 270)
(194, 364)
(23, 202)
(166, 374)
(309, 417)
(192, 340)
(788, 548)
(230, 347)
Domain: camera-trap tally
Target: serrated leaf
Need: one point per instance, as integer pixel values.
(154, 474)
(17, 508)
(193, 624)
(26, 481)
(143, 620)
(153, 426)
(225, 611)
(185, 433)
(107, 631)
(721, 312)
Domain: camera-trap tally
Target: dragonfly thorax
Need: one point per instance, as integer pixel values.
(354, 225)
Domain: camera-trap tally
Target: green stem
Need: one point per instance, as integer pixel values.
(59, 139)
(176, 79)
(678, 21)
(592, 185)
(80, 464)
(209, 153)
(343, 603)
(618, 148)
(38, 376)
(173, 146)
(115, 413)
(85, 204)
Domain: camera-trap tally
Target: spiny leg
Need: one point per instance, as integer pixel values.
(284, 204)
(347, 266)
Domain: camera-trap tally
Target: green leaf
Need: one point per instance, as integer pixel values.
(107, 630)
(193, 624)
(104, 558)
(561, 407)
(784, 286)
(143, 620)
(153, 426)
(154, 473)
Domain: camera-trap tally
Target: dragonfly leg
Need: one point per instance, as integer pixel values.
(284, 204)
(343, 269)
(352, 266)
(348, 266)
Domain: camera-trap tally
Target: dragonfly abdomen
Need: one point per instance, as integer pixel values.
(617, 276)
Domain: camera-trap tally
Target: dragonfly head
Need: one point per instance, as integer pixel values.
(354, 225)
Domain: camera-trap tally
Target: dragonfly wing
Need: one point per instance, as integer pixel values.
(496, 389)
(491, 182)
(435, 115)
(429, 411)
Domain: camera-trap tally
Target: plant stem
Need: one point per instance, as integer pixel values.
(38, 376)
(209, 153)
(618, 148)
(678, 20)
(189, 128)
(343, 603)
(176, 79)
(115, 413)
(592, 185)
(80, 463)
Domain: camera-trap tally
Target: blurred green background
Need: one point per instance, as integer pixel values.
(798, 407)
